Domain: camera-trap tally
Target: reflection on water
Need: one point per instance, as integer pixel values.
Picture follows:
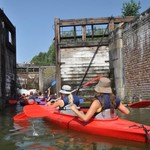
(138, 115)
(38, 134)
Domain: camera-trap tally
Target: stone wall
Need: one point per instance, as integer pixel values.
(7, 59)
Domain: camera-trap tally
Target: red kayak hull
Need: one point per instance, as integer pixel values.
(140, 104)
(117, 127)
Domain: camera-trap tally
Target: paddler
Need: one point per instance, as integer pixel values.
(104, 99)
(66, 98)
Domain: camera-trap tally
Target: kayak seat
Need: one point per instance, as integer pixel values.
(106, 114)
(67, 110)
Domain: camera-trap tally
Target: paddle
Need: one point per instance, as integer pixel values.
(34, 111)
(20, 117)
(139, 104)
(52, 84)
(86, 84)
(94, 79)
(39, 111)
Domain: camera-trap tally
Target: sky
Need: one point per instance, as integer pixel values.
(34, 19)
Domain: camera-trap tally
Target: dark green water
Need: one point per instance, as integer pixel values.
(38, 134)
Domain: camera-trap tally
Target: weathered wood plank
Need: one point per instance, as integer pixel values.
(90, 21)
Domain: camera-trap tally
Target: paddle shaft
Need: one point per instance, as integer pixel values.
(86, 84)
(99, 44)
(35, 111)
(94, 79)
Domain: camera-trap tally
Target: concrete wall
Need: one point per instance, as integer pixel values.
(116, 61)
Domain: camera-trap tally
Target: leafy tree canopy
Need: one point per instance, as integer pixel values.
(131, 8)
(47, 58)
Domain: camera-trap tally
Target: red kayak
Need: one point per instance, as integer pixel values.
(12, 101)
(140, 104)
(116, 127)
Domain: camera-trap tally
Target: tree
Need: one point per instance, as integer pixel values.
(52, 54)
(131, 8)
(47, 58)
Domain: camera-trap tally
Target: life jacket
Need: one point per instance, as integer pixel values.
(67, 108)
(106, 114)
(71, 99)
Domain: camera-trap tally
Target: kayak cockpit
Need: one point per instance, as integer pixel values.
(104, 115)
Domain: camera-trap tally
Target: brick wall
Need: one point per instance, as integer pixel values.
(136, 54)
(130, 57)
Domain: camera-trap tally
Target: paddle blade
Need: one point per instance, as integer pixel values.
(53, 83)
(140, 104)
(36, 111)
(20, 117)
(94, 79)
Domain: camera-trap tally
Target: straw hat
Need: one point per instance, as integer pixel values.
(66, 89)
(103, 86)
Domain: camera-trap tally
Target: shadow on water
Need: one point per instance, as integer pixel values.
(38, 134)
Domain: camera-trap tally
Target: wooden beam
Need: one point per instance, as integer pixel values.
(91, 21)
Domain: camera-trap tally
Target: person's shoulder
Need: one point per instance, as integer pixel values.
(95, 103)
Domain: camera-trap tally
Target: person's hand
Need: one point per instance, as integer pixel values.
(48, 104)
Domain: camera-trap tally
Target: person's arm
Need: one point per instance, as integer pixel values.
(59, 103)
(91, 111)
(49, 91)
(123, 109)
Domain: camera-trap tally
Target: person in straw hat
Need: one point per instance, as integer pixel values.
(66, 98)
(104, 99)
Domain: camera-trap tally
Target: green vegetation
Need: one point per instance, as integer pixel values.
(47, 58)
(131, 8)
